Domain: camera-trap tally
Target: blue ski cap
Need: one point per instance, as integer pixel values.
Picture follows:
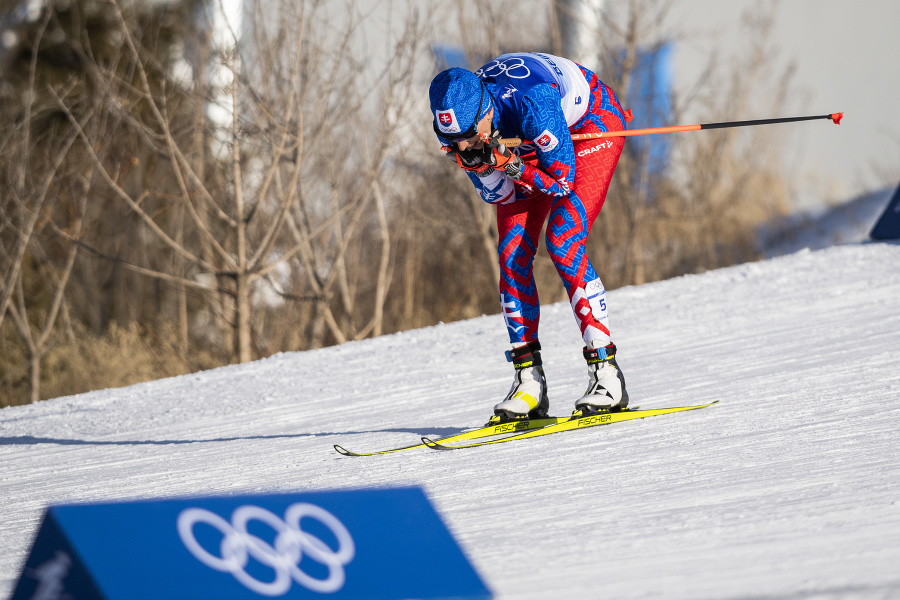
(458, 102)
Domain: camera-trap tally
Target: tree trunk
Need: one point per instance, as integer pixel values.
(242, 317)
(34, 387)
(382, 283)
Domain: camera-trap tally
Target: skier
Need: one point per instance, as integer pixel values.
(543, 98)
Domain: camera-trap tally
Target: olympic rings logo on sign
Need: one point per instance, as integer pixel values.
(291, 544)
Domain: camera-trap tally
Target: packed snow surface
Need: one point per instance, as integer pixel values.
(788, 488)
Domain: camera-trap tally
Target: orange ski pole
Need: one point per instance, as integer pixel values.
(576, 137)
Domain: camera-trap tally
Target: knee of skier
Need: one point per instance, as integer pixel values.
(564, 228)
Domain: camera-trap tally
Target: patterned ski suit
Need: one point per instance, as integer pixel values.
(544, 98)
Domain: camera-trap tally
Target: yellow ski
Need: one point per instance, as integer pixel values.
(482, 432)
(570, 424)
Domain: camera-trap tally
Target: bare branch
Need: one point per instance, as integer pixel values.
(190, 283)
(121, 193)
(25, 236)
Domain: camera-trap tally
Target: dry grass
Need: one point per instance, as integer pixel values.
(85, 362)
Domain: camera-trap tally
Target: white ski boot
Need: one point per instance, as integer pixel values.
(606, 386)
(527, 398)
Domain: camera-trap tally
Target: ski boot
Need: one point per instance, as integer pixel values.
(527, 398)
(606, 386)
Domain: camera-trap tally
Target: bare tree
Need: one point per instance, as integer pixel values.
(35, 186)
(259, 204)
(18, 144)
(39, 338)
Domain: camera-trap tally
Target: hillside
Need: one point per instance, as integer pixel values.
(789, 488)
(846, 223)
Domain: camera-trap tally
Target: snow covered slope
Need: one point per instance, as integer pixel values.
(848, 223)
(789, 488)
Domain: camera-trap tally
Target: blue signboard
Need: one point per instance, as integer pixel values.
(888, 226)
(387, 543)
(650, 99)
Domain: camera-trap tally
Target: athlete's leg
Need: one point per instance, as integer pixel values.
(519, 228)
(566, 232)
(570, 222)
(596, 160)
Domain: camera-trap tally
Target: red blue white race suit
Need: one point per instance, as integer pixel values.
(545, 98)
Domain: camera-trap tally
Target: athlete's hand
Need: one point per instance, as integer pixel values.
(492, 155)
(473, 160)
(501, 158)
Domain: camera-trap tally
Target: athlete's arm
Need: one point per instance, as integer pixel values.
(543, 121)
(492, 184)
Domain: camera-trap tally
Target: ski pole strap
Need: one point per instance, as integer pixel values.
(596, 355)
(525, 356)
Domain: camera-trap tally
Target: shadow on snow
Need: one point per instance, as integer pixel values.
(29, 440)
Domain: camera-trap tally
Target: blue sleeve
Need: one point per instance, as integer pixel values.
(495, 188)
(544, 123)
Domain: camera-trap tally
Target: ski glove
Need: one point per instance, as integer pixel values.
(493, 155)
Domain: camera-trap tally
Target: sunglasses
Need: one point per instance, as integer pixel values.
(469, 133)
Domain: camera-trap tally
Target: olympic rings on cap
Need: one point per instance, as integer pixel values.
(291, 544)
